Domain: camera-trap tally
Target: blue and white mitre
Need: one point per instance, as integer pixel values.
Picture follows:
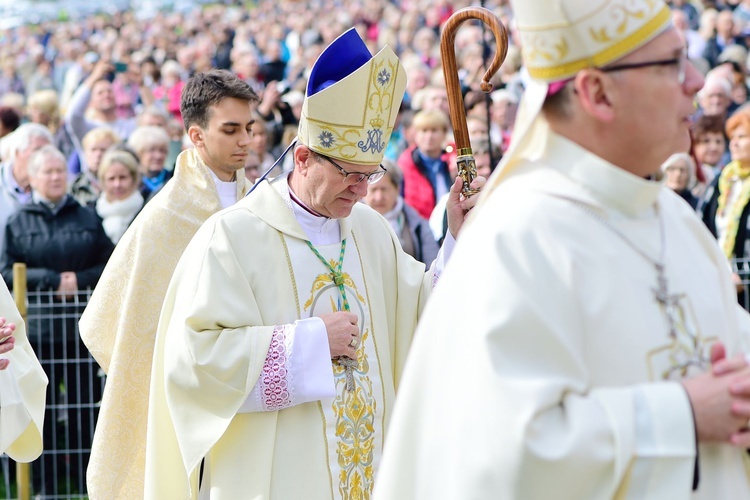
(351, 101)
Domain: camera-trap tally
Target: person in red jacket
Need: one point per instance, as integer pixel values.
(426, 174)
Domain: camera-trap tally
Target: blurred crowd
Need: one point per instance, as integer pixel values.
(90, 116)
(90, 124)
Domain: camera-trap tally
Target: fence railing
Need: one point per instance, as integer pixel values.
(742, 268)
(73, 397)
(75, 389)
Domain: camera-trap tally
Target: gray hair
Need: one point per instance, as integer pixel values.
(172, 67)
(24, 134)
(40, 156)
(145, 137)
(684, 157)
(152, 111)
(714, 79)
(504, 95)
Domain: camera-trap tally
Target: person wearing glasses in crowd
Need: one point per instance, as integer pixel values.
(289, 316)
(604, 353)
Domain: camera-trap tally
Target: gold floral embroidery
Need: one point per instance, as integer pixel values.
(621, 17)
(325, 280)
(354, 410)
(553, 52)
(355, 428)
(344, 141)
(349, 141)
(541, 48)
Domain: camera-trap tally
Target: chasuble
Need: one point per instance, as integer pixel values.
(246, 276)
(119, 323)
(568, 358)
(23, 386)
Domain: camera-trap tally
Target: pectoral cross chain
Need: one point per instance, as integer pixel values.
(337, 276)
(349, 365)
(670, 303)
(665, 299)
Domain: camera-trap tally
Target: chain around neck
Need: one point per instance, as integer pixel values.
(337, 274)
(658, 264)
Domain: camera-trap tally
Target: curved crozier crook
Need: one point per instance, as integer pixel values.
(450, 70)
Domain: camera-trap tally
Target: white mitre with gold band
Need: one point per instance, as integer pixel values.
(352, 101)
(558, 39)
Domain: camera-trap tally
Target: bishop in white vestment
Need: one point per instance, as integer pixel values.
(249, 378)
(242, 378)
(570, 372)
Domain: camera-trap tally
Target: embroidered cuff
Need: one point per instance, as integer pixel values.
(297, 368)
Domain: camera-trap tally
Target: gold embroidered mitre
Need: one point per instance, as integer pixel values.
(561, 37)
(351, 101)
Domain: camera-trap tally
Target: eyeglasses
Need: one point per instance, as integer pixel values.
(679, 62)
(352, 178)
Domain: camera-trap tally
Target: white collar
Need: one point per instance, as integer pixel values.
(609, 184)
(227, 190)
(319, 229)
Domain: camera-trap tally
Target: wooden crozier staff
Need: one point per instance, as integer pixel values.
(467, 167)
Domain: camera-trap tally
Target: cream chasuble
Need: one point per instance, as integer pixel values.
(119, 323)
(23, 387)
(566, 363)
(248, 272)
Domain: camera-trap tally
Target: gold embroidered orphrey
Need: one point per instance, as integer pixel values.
(354, 409)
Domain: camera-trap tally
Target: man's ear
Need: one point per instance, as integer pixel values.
(195, 133)
(302, 158)
(596, 94)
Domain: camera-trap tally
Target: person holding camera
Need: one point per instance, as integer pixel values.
(276, 112)
(93, 105)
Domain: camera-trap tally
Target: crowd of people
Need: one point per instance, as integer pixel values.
(114, 76)
(105, 82)
(111, 155)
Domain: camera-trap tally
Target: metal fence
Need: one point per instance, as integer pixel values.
(75, 390)
(741, 267)
(73, 397)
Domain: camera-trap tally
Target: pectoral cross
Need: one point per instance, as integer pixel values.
(665, 299)
(349, 365)
(338, 278)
